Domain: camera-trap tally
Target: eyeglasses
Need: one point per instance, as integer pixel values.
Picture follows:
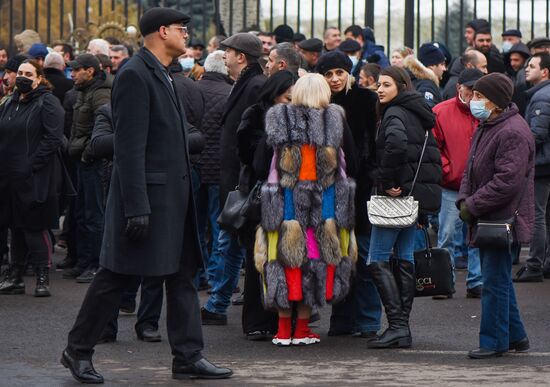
(181, 28)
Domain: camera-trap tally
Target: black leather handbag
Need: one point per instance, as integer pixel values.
(434, 271)
(242, 206)
(495, 234)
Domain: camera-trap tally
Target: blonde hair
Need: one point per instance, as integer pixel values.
(311, 91)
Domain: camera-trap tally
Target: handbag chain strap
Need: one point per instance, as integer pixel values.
(419, 162)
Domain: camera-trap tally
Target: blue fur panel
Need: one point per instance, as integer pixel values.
(276, 296)
(345, 203)
(328, 203)
(289, 213)
(342, 280)
(308, 199)
(314, 277)
(272, 206)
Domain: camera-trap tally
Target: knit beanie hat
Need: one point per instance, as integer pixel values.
(333, 60)
(497, 87)
(14, 62)
(429, 55)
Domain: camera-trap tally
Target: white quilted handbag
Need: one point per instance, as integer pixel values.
(399, 212)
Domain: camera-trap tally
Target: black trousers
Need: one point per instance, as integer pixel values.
(103, 299)
(150, 306)
(255, 317)
(31, 246)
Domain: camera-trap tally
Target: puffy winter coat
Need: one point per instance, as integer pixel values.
(500, 180)
(305, 246)
(215, 88)
(537, 116)
(424, 80)
(90, 98)
(401, 135)
(454, 129)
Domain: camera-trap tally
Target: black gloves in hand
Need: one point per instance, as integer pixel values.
(137, 227)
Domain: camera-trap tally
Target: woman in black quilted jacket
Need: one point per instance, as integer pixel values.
(406, 121)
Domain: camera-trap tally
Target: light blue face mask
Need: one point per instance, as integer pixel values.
(186, 64)
(506, 46)
(479, 110)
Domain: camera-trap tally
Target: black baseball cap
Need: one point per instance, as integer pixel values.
(85, 61)
(468, 77)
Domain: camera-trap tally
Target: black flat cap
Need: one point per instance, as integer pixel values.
(14, 62)
(283, 33)
(85, 61)
(349, 45)
(157, 17)
(539, 42)
(313, 45)
(244, 42)
(468, 77)
(333, 60)
(511, 33)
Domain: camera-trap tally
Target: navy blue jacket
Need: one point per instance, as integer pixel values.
(537, 116)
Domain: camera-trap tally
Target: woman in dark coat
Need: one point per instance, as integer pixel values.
(498, 184)
(31, 177)
(406, 121)
(360, 312)
(259, 324)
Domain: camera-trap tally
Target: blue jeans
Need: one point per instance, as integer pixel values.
(451, 234)
(233, 255)
(368, 307)
(208, 210)
(89, 213)
(500, 320)
(384, 241)
(361, 310)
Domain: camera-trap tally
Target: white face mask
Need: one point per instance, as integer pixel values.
(186, 64)
(506, 46)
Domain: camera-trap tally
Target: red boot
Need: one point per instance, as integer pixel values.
(303, 335)
(282, 338)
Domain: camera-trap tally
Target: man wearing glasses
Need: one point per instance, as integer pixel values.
(150, 222)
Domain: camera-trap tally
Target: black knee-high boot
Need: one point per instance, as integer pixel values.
(397, 334)
(406, 282)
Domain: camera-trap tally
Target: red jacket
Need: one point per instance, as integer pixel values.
(454, 129)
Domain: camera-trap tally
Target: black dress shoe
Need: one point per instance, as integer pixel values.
(212, 318)
(201, 369)
(526, 274)
(475, 292)
(483, 353)
(521, 346)
(238, 300)
(82, 370)
(258, 335)
(149, 335)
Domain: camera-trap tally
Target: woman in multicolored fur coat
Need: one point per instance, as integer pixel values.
(305, 246)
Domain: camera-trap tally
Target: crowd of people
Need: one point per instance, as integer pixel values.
(141, 151)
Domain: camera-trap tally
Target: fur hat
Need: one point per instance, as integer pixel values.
(333, 60)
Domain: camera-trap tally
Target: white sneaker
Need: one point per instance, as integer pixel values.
(281, 342)
(310, 339)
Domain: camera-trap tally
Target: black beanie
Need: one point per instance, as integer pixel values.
(333, 60)
(283, 33)
(497, 87)
(14, 62)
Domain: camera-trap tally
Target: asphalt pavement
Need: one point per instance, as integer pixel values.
(33, 333)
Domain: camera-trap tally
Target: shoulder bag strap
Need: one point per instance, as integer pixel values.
(419, 162)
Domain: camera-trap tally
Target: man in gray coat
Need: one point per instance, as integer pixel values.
(150, 227)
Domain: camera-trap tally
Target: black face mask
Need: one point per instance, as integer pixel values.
(23, 84)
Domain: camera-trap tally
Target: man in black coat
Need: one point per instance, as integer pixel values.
(241, 58)
(150, 227)
(54, 67)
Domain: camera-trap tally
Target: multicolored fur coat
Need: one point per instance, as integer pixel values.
(305, 245)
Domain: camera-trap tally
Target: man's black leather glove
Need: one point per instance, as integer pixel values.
(137, 227)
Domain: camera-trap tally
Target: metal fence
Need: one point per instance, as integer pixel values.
(396, 22)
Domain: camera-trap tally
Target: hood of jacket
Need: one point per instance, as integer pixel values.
(418, 70)
(416, 104)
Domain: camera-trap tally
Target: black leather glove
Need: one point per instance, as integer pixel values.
(137, 227)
